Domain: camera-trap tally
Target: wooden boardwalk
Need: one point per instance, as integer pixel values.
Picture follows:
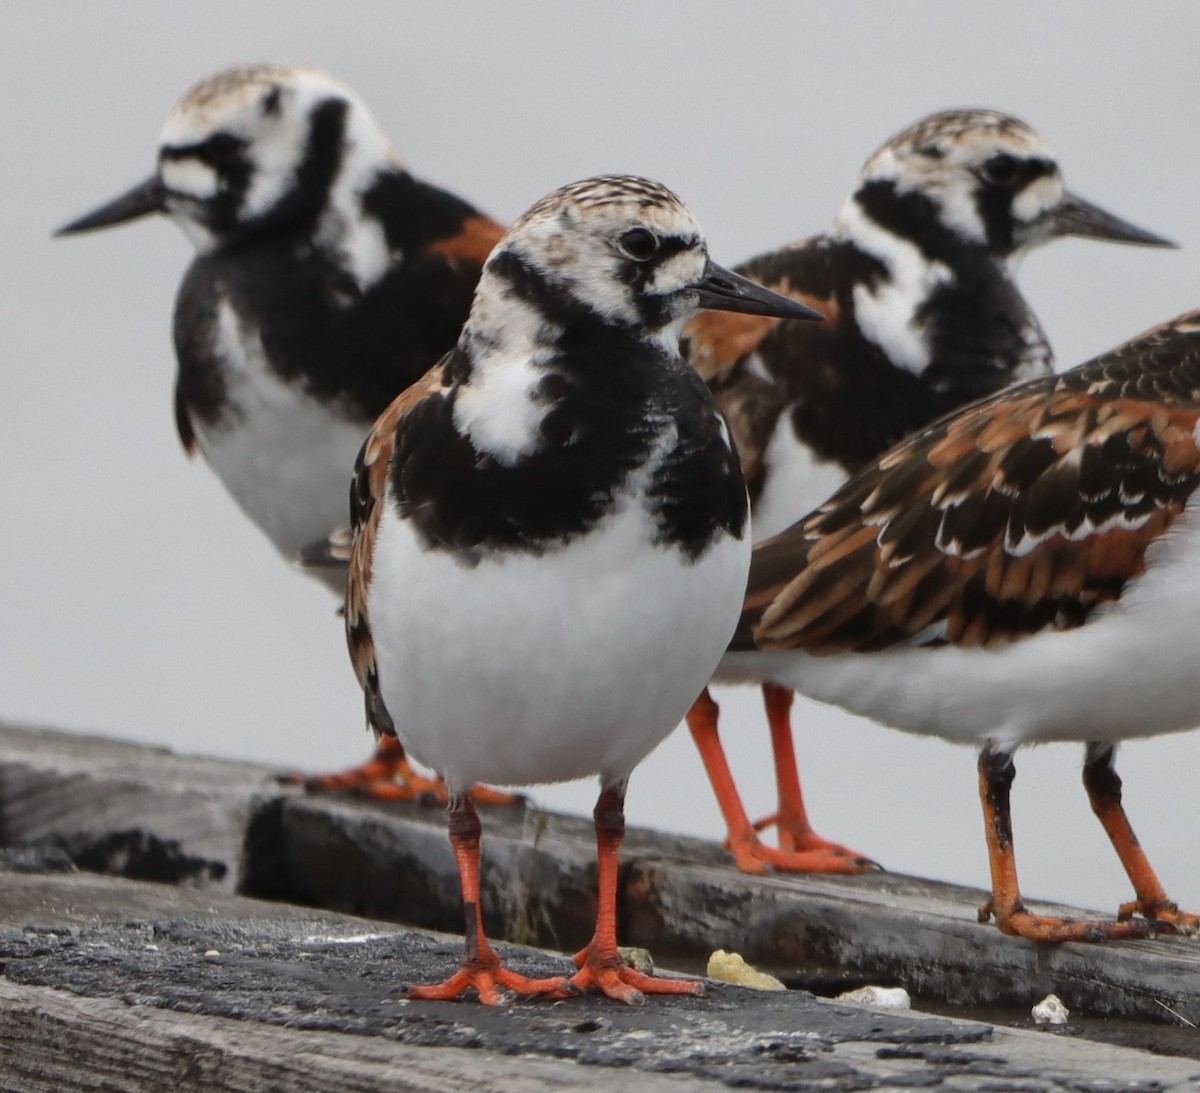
(301, 998)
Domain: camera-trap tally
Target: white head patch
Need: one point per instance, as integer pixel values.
(573, 238)
(946, 158)
(269, 109)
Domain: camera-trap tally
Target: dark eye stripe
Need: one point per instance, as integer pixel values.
(215, 150)
(1037, 168)
(671, 245)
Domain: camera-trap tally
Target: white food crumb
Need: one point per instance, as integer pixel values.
(1050, 1011)
(892, 998)
(349, 939)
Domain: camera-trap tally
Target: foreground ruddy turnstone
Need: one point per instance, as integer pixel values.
(1023, 571)
(550, 534)
(327, 279)
(922, 315)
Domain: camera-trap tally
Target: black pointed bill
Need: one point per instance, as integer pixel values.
(723, 290)
(145, 198)
(1075, 216)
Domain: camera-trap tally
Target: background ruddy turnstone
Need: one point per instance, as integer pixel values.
(923, 315)
(550, 534)
(327, 279)
(1023, 571)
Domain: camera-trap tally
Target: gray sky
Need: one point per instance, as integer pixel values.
(136, 601)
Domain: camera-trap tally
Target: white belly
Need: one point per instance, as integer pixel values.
(288, 465)
(794, 484)
(529, 669)
(1132, 670)
(286, 459)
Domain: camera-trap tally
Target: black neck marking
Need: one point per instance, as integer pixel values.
(611, 401)
(560, 307)
(849, 401)
(318, 169)
(359, 349)
(978, 325)
(413, 213)
(981, 332)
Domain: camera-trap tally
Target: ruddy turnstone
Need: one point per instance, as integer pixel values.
(326, 280)
(556, 507)
(1019, 572)
(922, 315)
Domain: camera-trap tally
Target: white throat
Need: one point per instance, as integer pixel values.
(497, 409)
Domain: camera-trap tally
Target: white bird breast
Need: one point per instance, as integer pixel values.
(526, 668)
(795, 483)
(285, 458)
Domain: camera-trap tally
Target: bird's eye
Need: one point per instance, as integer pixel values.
(1002, 169)
(639, 244)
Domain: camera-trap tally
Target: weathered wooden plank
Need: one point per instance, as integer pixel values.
(680, 899)
(55, 1042)
(272, 967)
(114, 984)
(141, 811)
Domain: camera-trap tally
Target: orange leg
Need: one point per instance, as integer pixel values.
(481, 968)
(996, 773)
(795, 832)
(1103, 786)
(600, 964)
(749, 852)
(388, 776)
(743, 843)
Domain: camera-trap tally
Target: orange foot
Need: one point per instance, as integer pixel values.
(389, 766)
(1021, 923)
(1163, 915)
(388, 776)
(801, 851)
(494, 984)
(613, 977)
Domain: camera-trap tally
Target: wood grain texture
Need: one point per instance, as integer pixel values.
(54, 1042)
(302, 999)
(678, 896)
